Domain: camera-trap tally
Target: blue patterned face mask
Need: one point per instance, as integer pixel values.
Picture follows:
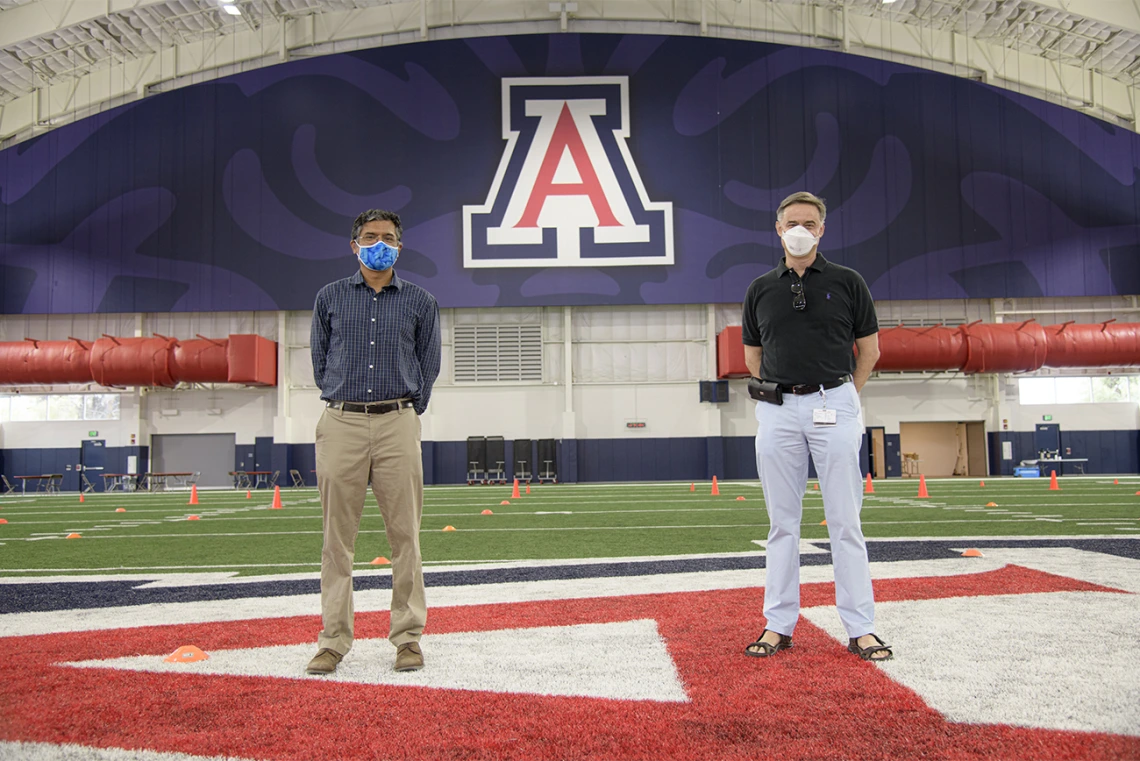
(379, 256)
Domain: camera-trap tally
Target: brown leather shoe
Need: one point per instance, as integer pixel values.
(324, 662)
(409, 657)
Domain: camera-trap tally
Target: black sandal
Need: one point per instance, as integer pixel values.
(867, 653)
(766, 650)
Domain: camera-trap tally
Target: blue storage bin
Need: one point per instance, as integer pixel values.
(1027, 472)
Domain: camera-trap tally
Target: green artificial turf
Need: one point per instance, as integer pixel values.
(564, 521)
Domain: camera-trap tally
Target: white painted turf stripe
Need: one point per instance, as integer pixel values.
(545, 660)
(29, 751)
(1035, 666)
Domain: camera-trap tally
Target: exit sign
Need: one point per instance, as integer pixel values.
(92, 434)
(635, 424)
(1046, 418)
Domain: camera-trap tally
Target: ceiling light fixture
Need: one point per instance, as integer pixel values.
(233, 10)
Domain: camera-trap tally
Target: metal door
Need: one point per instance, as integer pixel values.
(93, 461)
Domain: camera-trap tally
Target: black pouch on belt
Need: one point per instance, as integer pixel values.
(763, 391)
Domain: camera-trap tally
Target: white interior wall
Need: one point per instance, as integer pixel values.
(629, 363)
(1116, 416)
(889, 401)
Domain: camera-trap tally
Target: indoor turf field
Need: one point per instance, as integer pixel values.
(235, 534)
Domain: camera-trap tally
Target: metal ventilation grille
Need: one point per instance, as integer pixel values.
(488, 353)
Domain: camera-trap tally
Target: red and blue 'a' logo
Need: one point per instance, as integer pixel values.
(567, 192)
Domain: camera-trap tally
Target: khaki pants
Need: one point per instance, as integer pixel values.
(353, 448)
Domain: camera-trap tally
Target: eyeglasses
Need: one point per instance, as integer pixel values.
(369, 239)
(799, 301)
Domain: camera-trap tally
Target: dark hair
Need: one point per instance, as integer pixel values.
(802, 197)
(377, 215)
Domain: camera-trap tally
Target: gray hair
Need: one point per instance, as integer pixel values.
(802, 197)
(377, 215)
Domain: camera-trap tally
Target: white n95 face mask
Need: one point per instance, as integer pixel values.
(799, 241)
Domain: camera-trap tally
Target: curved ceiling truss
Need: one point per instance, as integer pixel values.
(63, 60)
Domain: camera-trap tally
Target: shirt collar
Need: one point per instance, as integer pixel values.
(819, 265)
(357, 278)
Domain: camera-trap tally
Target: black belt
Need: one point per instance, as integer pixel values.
(800, 389)
(372, 408)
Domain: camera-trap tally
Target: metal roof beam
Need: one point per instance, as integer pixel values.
(27, 22)
(1123, 14)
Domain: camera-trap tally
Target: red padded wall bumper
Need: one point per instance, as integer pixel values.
(252, 360)
(980, 348)
(155, 361)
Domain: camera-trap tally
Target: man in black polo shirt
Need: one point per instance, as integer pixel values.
(800, 323)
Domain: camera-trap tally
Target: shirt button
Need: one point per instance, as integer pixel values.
(370, 391)
(371, 343)
(370, 367)
(373, 319)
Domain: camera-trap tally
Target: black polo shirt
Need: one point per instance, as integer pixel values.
(814, 345)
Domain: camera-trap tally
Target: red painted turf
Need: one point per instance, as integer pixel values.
(814, 702)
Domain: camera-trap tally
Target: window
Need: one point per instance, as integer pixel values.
(487, 353)
(1074, 390)
(1102, 389)
(1036, 390)
(34, 408)
(1111, 388)
(65, 407)
(101, 407)
(26, 409)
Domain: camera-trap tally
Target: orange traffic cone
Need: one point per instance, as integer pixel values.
(692, 487)
(120, 509)
(528, 488)
(488, 512)
(740, 499)
(870, 487)
(193, 494)
(715, 489)
(972, 553)
(276, 498)
(1053, 481)
(922, 492)
(193, 517)
(823, 522)
(1116, 482)
(981, 484)
(81, 498)
(815, 486)
(515, 492)
(505, 502)
(380, 561)
(73, 536)
(449, 528)
(3, 521)
(186, 654)
(248, 494)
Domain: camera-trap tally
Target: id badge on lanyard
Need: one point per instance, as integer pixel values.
(823, 416)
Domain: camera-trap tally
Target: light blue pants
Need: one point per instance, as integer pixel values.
(785, 438)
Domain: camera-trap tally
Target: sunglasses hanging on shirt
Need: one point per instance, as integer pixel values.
(799, 300)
